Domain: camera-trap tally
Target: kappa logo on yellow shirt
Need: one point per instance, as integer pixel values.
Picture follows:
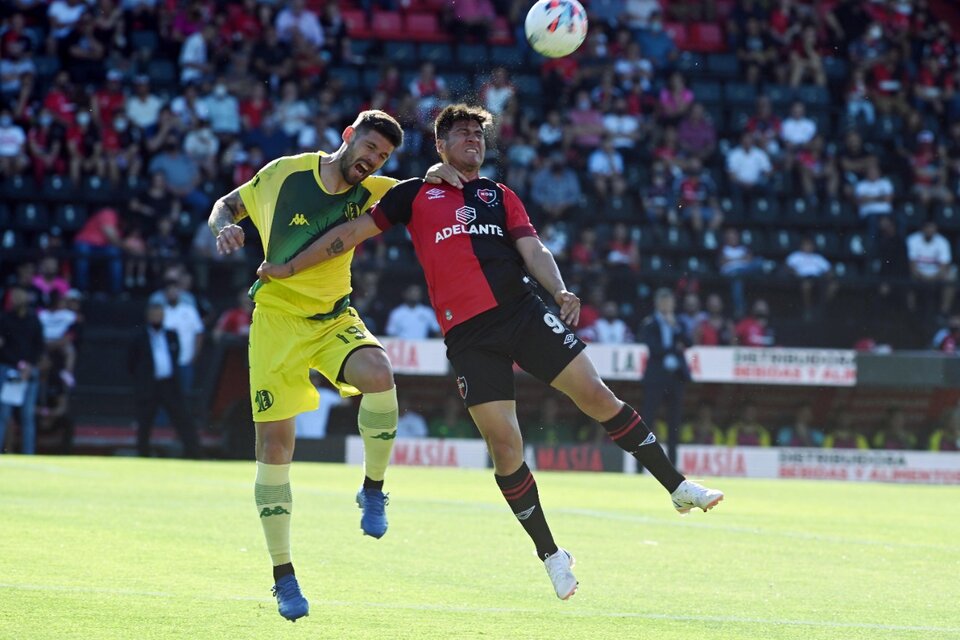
(298, 220)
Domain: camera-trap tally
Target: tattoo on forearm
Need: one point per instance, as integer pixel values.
(336, 247)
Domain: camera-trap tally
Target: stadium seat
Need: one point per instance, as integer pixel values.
(812, 95)
(846, 270)
(59, 188)
(740, 95)
(163, 73)
(755, 239)
(827, 242)
(764, 210)
(97, 191)
(709, 241)
(46, 66)
(502, 32)
(841, 214)
(911, 214)
(5, 215)
(457, 83)
(439, 53)
(528, 84)
(11, 241)
(403, 54)
(144, 41)
(506, 56)
(425, 27)
(723, 65)
(471, 55)
(800, 213)
(837, 69)
(705, 37)
(858, 245)
(780, 95)
(678, 33)
(947, 217)
(387, 25)
(69, 217)
(348, 77)
(356, 23)
(31, 217)
(707, 92)
(783, 241)
(676, 239)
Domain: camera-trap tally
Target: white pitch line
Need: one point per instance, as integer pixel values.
(441, 608)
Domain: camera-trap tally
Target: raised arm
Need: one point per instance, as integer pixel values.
(227, 212)
(331, 244)
(541, 265)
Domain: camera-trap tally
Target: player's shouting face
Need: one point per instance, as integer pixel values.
(365, 153)
(464, 146)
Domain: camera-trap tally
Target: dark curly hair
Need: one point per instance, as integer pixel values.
(456, 112)
(381, 122)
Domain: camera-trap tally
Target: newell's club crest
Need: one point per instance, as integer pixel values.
(462, 387)
(487, 196)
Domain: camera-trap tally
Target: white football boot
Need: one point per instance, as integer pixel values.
(559, 567)
(690, 495)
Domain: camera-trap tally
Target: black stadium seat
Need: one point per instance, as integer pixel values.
(31, 216)
(69, 217)
(11, 240)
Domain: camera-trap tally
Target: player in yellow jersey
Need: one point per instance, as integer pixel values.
(306, 322)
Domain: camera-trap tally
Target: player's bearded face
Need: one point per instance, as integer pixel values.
(365, 154)
(465, 146)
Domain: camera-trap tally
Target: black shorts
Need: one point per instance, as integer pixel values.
(483, 349)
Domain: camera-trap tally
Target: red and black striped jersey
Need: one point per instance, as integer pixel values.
(464, 240)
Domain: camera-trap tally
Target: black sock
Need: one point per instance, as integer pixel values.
(520, 490)
(632, 435)
(372, 484)
(282, 570)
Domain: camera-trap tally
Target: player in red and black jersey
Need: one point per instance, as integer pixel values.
(477, 248)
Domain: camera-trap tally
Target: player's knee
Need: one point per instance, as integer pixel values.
(506, 453)
(596, 398)
(374, 373)
(274, 451)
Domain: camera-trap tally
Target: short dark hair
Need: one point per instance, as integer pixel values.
(381, 122)
(461, 111)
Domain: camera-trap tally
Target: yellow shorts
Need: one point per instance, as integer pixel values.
(283, 349)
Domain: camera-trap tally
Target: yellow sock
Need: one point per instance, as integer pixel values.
(274, 502)
(377, 420)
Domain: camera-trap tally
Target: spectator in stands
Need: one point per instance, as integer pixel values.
(815, 274)
(314, 424)
(947, 438)
(659, 198)
(122, 154)
(143, 107)
(555, 188)
(748, 167)
(609, 327)
(801, 432)
(13, 140)
(291, 113)
(859, 106)
(747, 430)
(181, 317)
(162, 246)
(754, 330)
(58, 322)
(586, 123)
(45, 144)
(889, 83)
(297, 17)
(272, 58)
(638, 14)
(696, 135)
(236, 320)
(892, 266)
(412, 320)
(201, 145)
(797, 129)
(53, 405)
(63, 16)
(196, 55)
(765, 125)
(551, 134)
(870, 48)
(430, 91)
(606, 169)
(21, 346)
(667, 373)
(676, 101)
(585, 255)
(555, 237)
(410, 424)
(756, 52)
(894, 434)
(716, 329)
(152, 362)
(947, 339)
(100, 237)
(49, 279)
(736, 260)
(497, 91)
(656, 44)
(181, 173)
(844, 434)
(633, 71)
(223, 109)
(691, 315)
(23, 279)
(874, 196)
(84, 53)
(522, 158)
(854, 160)
(469, 20)
(17, 72)
(151, 204)
(85, 148)
(623, 128)
(453, 422)
(929, 171)
(806, 63)
(697, 195)
(702, 429)
(622, 249)
(931, 267)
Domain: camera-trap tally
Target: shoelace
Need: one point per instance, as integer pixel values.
(376, 506)
(287, 590)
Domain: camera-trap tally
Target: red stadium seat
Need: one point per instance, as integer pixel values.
(678, 32)
(425, 27)
(502, 33)
(387, 25)
(706, 37)
(356, 22)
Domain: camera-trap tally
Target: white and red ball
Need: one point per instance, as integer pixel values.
(556, 28)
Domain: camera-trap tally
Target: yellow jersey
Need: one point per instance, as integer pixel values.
(290, 207)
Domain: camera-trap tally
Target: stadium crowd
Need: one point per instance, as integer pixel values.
(813, 146)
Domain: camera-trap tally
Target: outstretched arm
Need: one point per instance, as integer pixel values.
(331, 244)
(541, 265)
(227, 212)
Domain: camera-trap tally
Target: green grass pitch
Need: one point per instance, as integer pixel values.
(100, 548)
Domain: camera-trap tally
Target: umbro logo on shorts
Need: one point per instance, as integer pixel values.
(569, 340)
(436, 194)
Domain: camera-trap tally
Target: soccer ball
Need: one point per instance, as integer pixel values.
(555, 28)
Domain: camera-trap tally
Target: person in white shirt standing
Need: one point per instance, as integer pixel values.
(814, 271)
(748, 167)
(931, 268)
(609, 327)
(412, 320)
(183, 318)
(874, 195)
